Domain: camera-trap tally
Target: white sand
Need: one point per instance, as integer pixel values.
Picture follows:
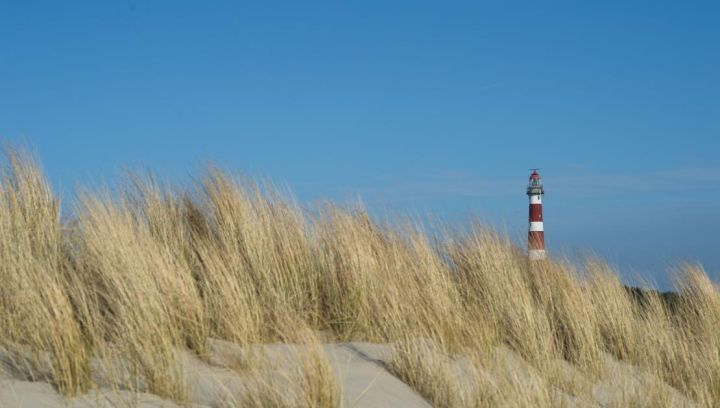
(358, 368)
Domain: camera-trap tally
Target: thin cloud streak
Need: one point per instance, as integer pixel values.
(589, 184)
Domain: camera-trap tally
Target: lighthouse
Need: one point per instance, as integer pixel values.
(536, 232)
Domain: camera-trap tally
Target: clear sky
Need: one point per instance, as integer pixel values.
(414, 106)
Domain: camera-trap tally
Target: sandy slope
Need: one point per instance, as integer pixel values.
(359, 369)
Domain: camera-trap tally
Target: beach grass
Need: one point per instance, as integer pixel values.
(145, 270)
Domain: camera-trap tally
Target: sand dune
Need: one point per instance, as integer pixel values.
(114, 304)
(360, 369)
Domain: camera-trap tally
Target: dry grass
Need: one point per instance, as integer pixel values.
(304, 376)
(136, 276)
(35, 306)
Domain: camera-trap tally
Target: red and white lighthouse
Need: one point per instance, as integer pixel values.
(536, 232)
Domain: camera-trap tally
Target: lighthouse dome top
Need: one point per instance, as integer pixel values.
(535, 185)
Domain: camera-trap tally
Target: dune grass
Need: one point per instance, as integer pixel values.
(138, 274)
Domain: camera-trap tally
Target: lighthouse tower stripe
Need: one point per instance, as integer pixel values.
(536, 254)
(536, 213)
(536, 240)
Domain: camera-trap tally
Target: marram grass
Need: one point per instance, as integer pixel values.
(150, 269)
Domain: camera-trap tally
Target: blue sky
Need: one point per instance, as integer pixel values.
(420, 107)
